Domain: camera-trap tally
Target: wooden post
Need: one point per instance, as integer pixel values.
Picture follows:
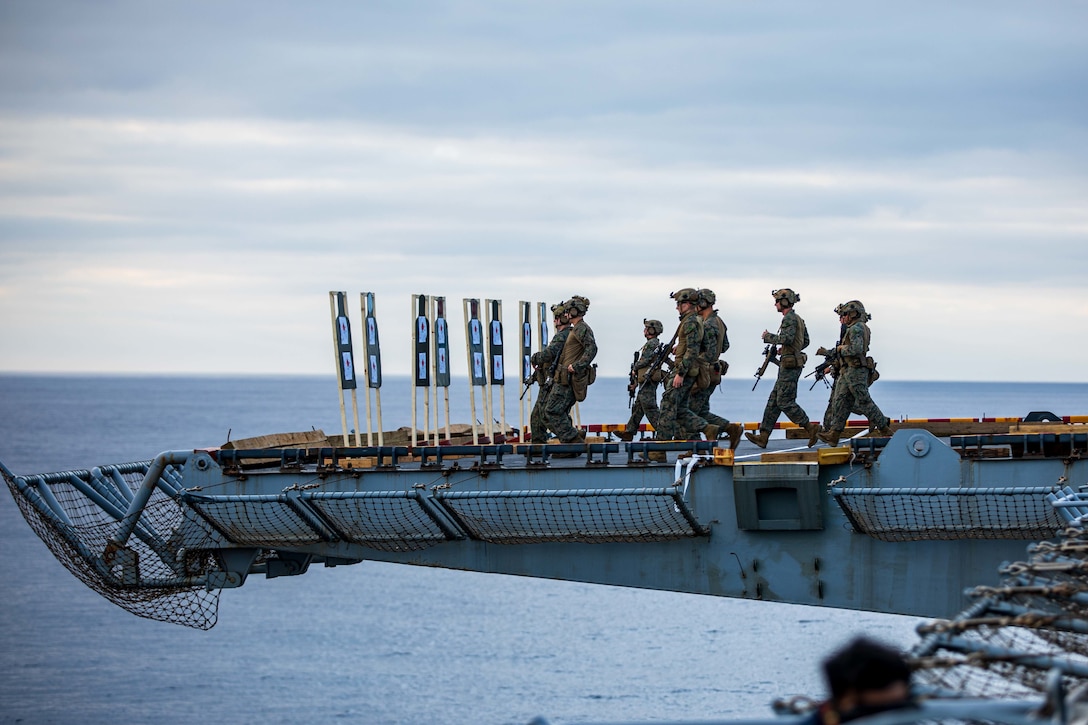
(473, 338)
(441, 360)
(345, 360)
(372, 352)
(525, 335)
(413, 364)
(497, 361)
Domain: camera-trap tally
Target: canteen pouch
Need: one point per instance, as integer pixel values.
(704, 377)
(580, 382)
(791, 361)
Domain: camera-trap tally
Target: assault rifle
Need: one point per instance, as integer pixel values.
(770, 355)
(632, 381)
(528, 384)
(831, 357)
(545, 380)
(820, 371)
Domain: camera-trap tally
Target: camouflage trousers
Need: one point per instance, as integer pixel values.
(538, 421)
(645, 405)
(700, 406)
(783, 399)
(851, 394)
(676, 416)
(557, 414)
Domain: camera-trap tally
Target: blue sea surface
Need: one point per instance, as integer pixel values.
(386, 643)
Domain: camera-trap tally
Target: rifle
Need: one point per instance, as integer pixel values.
(831, 357)
(770, 355)
(545, 380)
(820, 371)
(660, 355)
(632, 381)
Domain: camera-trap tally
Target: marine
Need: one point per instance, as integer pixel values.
(676, 415)
(792, 338)
(542, 364)
(645, 404)
(715, 342)
(574, 374)
(857, 370)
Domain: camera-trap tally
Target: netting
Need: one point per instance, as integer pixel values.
(257, 520)
(383, 520)
(152, 576)
(916, 514)
(585, 515)
(1005, 644)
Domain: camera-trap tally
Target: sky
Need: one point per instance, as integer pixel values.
(182, 184)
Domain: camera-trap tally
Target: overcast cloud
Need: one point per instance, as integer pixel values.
(181, 184)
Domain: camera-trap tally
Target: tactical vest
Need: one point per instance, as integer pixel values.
(682, 351)
(572, 348)
(852, 360)
(800, 342)
(790, 353)
(643, 364)
(720, 345)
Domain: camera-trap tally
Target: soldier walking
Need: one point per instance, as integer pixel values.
(791, 339)
(676, 416)
(715, 342)
(857, 371)
(574, 374)
(646, 400)
(542, 361)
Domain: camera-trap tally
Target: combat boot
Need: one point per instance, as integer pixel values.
(760, 438)
(657, 456)
(734, 431)
(626, 435)
(885, 432)
(813, 431)
(711, 432)
(830, 437)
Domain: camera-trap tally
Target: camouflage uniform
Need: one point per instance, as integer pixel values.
(714, 334)
(646, 402)
(676, 416)
(851, 391)
(793, 337)
(538, 426)
(579, 349)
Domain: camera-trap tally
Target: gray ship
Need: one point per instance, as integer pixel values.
(904, 525)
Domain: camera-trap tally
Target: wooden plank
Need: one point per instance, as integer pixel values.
(302, 439)
(941, 429)
(791, 457)
(1048, 428)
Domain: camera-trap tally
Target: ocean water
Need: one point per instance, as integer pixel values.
(384, 643)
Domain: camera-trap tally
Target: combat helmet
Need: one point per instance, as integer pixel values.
(578, 305)
(558, 309)
(688, 294)
(791, 297)
(853, 308)
(706, 298)
(653, 326)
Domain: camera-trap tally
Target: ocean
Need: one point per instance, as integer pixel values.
(386, 643)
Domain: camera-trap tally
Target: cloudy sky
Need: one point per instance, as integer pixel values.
(182, 184)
